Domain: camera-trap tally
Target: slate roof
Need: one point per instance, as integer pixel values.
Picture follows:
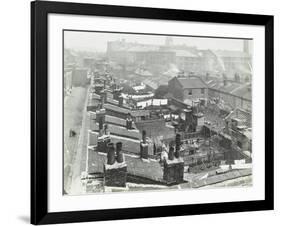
(242, 115)
(121, 131)
(139, 113)
(116, 121)
(116, 108)
(150, 83)
(244, 91)
(118, 130)
(221, 177)
(112, 101)
(236, 89)
(93, 102)
(95, 96)
(191, 82)
(156, 128)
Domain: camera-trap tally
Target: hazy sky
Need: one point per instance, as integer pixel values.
(96, 41)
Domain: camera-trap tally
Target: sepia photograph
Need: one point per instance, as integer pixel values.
(151, 112)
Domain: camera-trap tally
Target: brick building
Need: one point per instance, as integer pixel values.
(188, 89)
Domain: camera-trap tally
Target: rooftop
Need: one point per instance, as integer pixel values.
(230, 53)
(185, 53)
(242, 115)
(237, 89)
(116, 108)
(116, 121)
(191, 82)
(139, 113)
(136, 166)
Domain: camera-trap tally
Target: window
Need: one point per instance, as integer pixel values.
(202, 91)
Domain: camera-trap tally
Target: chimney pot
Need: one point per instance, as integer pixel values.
(129, 122)
(144, 136)
(119, 152)
(171, 153)
(120, 101)
(100, 123)
(110, 154)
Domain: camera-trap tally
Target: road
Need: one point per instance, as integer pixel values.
(79, 162)
(73, 117)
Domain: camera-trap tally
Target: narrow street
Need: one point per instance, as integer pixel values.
(79, 160)
(74, 106)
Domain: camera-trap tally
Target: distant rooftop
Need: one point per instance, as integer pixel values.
(185, 53)
(230, 53)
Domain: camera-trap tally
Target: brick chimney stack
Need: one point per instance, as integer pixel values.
(174, 165)
(105, 129)
(144, 146)
(120, 101)
(129, 122)
(171, 153)
(101, 119)
(103, 96)
(178, 143)
(115, 173)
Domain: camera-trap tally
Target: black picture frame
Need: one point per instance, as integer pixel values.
(39, 112)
